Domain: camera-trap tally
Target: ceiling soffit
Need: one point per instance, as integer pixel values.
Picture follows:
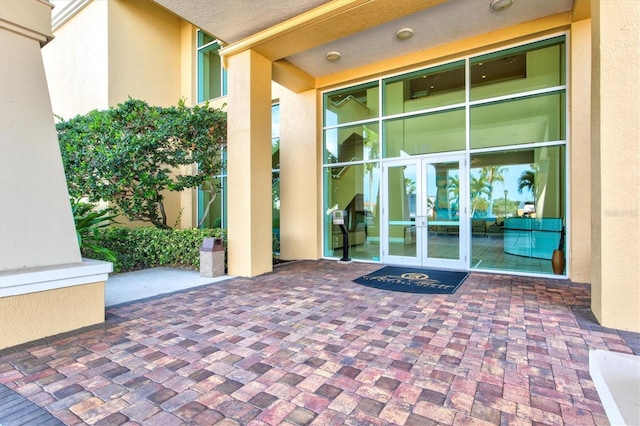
(233, 20)
(437, 54)
(296, 35)
(331, 22)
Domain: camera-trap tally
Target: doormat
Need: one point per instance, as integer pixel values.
(413, 280)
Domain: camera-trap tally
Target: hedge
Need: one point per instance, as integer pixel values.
(140, 248)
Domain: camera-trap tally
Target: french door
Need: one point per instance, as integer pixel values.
(424, 211)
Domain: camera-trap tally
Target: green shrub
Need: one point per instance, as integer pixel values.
(147, 247)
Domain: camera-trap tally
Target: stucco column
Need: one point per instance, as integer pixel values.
(45, 286)
(249, 165)
(36, 226)
(579, 246)
(615, 174)
(300, 195)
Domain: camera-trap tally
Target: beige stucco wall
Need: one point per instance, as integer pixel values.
(76, 63)
(615, 164)
(188, 64)
(144, 53)
(46, 313)
(579, 243)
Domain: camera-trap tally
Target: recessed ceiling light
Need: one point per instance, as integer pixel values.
(499, 5)
(333, 56)
(404, 33)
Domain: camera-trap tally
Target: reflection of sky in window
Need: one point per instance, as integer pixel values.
(275, 121)
(331, 141)
(330, 118)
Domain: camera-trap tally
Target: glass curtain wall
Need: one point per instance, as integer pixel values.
(518, 209)
(504, 110)
(212, 77)
(275, 176)
(352, 173)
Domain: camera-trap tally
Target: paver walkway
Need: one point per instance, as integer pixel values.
(305, 345)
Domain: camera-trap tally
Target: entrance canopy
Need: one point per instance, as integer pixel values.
(297, 36)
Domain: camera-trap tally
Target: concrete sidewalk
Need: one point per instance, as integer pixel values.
(136, 285)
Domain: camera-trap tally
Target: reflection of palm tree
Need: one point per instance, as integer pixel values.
(453, 190)
(492, 174)
(370, 140)
(528, 180)
(431, 209)
(409, 185)
(479, 186)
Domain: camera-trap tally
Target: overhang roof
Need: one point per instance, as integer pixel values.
(298, 34)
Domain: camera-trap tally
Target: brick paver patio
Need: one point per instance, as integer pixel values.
(304, 345)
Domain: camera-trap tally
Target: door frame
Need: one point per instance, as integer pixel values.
(420, 221)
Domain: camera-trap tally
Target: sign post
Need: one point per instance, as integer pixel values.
(339, 219)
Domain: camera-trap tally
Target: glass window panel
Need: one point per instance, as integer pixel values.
(215, 217)
(430, 88)
(275, 136)
(425, 134)
(525, 120)
(352, 104)
(275, 121)
(443, 210)
(275, 153)
(275, 211)
(204, 38)
(518, 208)
(351, 143)
(355, 190)
(401, 229)
(521, 69)
(212, 78)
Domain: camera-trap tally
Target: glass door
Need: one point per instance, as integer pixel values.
(424, 211)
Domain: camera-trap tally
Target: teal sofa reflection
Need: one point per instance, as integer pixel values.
(532, 237)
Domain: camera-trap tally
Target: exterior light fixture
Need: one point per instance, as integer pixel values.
(333, 56)
(404, 33)
(499, 5)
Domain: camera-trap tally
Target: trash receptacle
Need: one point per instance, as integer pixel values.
(212, 258)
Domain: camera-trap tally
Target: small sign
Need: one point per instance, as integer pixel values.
(338, 217)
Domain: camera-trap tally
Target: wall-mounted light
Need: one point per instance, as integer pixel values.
(404, 33)
(333, 56)
(499, 5)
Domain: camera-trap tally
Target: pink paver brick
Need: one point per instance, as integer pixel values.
(275, 414)
(434, 412)
(306, 344)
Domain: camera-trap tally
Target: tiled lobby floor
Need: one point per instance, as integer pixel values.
(304, 345)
